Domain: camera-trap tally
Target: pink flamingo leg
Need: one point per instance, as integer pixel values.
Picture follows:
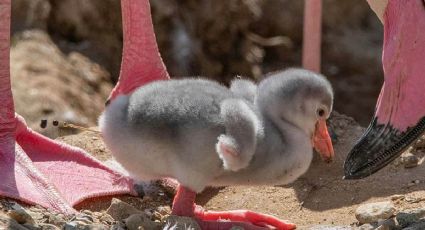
(37, 170)
(7, 111)
(312, 34)
(141, 60)
(184, 205)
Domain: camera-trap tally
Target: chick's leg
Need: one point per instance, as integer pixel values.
(184, 205)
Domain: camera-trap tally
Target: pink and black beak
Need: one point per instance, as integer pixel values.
(400, 112)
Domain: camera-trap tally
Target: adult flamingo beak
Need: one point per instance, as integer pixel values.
(400, 112)
(322, 141)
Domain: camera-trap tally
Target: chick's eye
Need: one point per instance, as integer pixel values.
(321, 112)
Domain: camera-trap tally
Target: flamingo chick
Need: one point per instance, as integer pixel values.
(204, 134)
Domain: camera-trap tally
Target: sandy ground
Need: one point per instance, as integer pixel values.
(321, 196)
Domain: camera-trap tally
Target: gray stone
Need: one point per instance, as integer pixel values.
(120, 210)
(417, 226)
(389, 224)
(73, 225)
(406, 219)
(118, 226)
(420, 212)
(372, 212)
(180, 222)
(135, 221)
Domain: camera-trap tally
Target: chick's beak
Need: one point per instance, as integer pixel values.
(322, 141)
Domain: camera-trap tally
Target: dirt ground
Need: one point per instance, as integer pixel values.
(321, 196)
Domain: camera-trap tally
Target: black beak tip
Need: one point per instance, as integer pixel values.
(349, 173)
(378, 147)
(353, 176)
(347, 177)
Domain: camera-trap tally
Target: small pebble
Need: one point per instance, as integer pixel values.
(37, 214)
(409, 160)
(84, 218)
(106, 219)
(164, 210)
(120, 210)
(74, 225)
(87, 212)
(21, 216)
(56, 219)
(372, 212)
(9, 223)
(420, 143)
(135, 221)
(157, 216)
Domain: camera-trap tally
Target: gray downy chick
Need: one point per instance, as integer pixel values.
(205, 134)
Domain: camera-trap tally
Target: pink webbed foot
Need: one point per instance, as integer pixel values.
(184, 205)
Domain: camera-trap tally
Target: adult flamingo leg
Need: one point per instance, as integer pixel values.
(141, 61)
(312, 35)
(184, 205)
(38, 170)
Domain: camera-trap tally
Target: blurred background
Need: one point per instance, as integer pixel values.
(66, 54)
